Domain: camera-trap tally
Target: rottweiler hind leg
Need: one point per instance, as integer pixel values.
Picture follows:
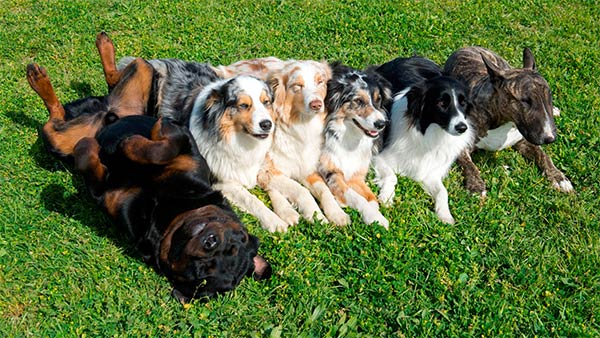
(131, 94)
(107, 57)
(167, 142)
(40, 82)
(88, 163)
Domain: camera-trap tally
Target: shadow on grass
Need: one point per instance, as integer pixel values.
(83, 208)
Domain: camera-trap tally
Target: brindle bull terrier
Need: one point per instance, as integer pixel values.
(510, 107)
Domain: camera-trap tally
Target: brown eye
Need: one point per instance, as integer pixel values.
(359, 102)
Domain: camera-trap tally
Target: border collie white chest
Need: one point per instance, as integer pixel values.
(429, 129)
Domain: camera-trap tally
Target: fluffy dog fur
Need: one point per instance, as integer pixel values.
(429, 129)
(299, 89)
(511, 107)
(232, 121)
(150, 178)
(355, 119)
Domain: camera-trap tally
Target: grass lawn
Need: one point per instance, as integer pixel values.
(523, 262)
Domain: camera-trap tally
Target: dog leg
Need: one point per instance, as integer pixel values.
(242, 198)
(298, 195)
(107, 58)
(40, 82)
(357, 183)
(87, 162)
(130, 96)
(165, 144)
(370, 212)
(386, 180)
(473, 181)
(436, 189)
(331, 207)
(283, 208)
(542, 160)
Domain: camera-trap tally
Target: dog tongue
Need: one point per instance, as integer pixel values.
(373, 133)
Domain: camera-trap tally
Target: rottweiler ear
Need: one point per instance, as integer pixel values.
(528, 59)
(262, 269)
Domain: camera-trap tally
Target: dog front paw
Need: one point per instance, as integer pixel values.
(339, 218)
(372, 216)
(563, 186)
(273, 223)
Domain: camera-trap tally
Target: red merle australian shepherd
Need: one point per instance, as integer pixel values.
(150, 178)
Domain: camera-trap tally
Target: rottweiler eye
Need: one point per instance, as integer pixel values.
(210, 242)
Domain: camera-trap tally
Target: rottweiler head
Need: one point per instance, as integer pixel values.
(206, 251)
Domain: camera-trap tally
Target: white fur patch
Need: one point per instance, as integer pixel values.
(500, 138)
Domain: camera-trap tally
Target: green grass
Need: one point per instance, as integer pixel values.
(523, 262)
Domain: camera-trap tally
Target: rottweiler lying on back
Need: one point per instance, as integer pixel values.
(149, 176)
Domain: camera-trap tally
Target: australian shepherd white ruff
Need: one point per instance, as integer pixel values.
(429, 129)
(232, 121)
(299, 89)
(356, 117)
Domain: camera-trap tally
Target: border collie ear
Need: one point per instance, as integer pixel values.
(277, 82)
(493, 71)
(528, 59)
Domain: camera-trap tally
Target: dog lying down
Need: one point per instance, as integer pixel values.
(150, 178)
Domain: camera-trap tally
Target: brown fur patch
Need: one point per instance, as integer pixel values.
(358, 184)
(334, 178)
(63, 136)
(106, 49)
(131, 97)
(114, 199)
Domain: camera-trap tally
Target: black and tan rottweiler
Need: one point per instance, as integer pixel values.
(148, 175)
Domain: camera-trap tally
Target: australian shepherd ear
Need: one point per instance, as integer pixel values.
(277, 81)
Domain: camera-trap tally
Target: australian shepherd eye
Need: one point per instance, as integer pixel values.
(243, 106)
(359, 102)
(297, 87)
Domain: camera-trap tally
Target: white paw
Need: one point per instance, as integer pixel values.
(386, 195)
(555, 111)
(372, 216)
(338, 217)
(289, 216)
(445, 217)
(563, 186)
(273, 223)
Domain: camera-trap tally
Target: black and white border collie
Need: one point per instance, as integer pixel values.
(429, 129)
(356, 117)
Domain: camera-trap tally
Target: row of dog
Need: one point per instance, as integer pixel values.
(305, 130)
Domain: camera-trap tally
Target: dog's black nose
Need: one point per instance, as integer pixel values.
(549, 139)
(461, 127)
(265, 125)
(379, 124)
